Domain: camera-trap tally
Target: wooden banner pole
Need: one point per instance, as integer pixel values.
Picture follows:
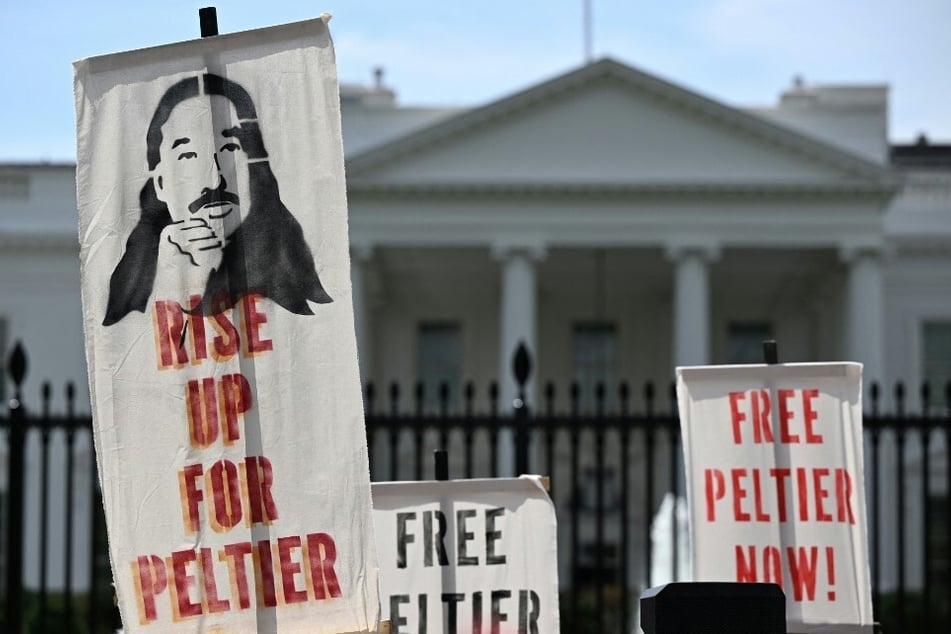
(208, 22)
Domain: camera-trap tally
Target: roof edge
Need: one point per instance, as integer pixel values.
(882, 190)
(607, 67)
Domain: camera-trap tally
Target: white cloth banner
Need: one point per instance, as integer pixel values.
(228, 418)
(467, 556)
(775, 485)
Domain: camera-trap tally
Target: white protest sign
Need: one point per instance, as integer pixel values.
(467, 556)
(228, 418)
(775, 485)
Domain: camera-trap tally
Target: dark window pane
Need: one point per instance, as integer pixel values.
(439, 360)
(594, 347)
(745, 341)
(936, 360)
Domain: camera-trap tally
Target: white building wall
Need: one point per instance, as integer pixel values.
(431, 253)
(431, 285)
(554, 144)
(853, 117)
(40, 304)
(918, 287)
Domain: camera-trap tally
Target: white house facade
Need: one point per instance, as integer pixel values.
(617, 224)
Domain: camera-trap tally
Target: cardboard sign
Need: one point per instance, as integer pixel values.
(467, 556)
(228, 419)
(775, 485)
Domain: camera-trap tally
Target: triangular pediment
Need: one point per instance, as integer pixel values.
(608, 124)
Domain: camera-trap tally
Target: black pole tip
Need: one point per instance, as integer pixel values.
(441, 458)
(208, 20)
(770, 353)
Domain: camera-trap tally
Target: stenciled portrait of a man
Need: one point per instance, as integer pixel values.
(212, 222)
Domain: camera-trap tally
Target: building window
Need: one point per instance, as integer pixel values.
(439, 360)
(594, 347)
(940, 553)
(14, 186)
(744, 342)
(936, 357)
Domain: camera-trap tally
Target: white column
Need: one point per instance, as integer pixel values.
(359, 260)
(864, 338)
(691, 306)
(518, 324)
(864, 314)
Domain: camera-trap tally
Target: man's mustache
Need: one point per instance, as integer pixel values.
(213, 197)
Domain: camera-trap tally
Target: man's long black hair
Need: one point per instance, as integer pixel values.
(266, 255)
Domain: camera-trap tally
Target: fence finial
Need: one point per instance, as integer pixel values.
(522, 364)
(17, 366)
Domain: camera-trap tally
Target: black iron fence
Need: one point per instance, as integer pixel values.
(53, 554)
(616, 481)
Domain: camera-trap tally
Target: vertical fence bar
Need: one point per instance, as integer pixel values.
(900, 477)
(444, 417)
(94, 507)
(926, 523)
(494, 428)
(625, 439)
(45, 428)
(601, 578)
(674, 463)
(418, 429)
(16, 483)
(874, 503)
(648, 480)
(100, 576)
(549, 431)
(394, 431)
(370, 429)
(469, 426)
(575, 437)
(674, 517)
(947, 496)
(442, 424)
(70, 518)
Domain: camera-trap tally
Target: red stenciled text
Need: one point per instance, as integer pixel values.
(778, 494)
(226, 493)
(750, 414)
(802, 565)
(215, 408)
(239, 576)
(183, 338)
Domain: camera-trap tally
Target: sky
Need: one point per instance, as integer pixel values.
(452, 52)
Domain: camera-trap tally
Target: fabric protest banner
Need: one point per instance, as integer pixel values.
(775, 485)
(468, 556)
(228, 419)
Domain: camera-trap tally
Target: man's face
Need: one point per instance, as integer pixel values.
(202, 174)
